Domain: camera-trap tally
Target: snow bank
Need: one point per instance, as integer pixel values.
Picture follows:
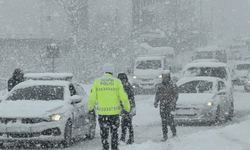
(234, 137)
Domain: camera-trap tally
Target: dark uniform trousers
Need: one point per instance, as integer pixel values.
(167, 119)
(127, 123)
(107, 122)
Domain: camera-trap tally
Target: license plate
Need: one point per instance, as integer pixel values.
(185, 111)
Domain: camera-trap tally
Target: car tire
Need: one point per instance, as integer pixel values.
(68, 141)
(231, 111)
(217, 115)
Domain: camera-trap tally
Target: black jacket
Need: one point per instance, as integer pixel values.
(130, 92)
(15, 79)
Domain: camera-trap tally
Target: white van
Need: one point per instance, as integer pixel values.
(148, 68)
(211, 52)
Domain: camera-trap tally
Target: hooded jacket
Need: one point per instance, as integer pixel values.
(130, 92)
(16, 78)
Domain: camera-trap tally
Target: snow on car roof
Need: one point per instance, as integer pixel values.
(188, 79)
(205, 60)
(29, 83)
(242, 62)
(48, 76)
(149, 58)
(161, 50)
(209, 48)
(205, 64)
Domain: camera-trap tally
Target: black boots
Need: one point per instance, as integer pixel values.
(130, 141)
(165, 137)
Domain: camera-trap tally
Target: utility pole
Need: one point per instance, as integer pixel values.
(201, 24)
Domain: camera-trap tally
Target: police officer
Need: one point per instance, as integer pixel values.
(107, 91)
(126, 121)
(167, 95)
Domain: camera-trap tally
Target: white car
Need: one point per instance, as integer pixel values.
(210, 69)
(46, 108)
(203, 100)
(240, 72)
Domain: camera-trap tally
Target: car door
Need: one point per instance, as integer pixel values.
(83, 108)
(223, 94)
(75, 111)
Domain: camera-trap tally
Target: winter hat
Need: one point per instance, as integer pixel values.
(166, 73)
(108, 67)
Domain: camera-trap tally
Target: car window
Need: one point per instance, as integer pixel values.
(197, 86)
(80, 90)
(221, 85)
(219, 72)
(148, 64)
(72, 90)
(38, 92)
(243, 67)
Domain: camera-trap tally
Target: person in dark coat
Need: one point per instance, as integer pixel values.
(126, 121)
(16, 78)
(167, 94)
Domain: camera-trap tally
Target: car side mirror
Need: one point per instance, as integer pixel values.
(75, 99)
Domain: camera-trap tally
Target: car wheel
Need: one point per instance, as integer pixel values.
(68, 134)
(231, 111)
(217, 116)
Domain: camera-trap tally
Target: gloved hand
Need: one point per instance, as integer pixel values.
(156, 105)
(92, 112)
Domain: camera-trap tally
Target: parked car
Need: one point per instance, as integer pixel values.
(210, 69)
(46, 108)
(240, 71)
(203, 100)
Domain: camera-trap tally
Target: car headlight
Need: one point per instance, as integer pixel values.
(134, 77)
(209, 104)
(160, 76)
(55, 117)
(248, 81)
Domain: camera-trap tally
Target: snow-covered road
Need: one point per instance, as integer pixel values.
(147, 125)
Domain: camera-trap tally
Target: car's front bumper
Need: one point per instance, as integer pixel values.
(147, 84)
(44, 131)
(193, 116)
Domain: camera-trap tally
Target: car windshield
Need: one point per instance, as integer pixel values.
(243, 67)
(204, 55)
(149, 64)
(38, 92)
(219, 72)
(197, 86)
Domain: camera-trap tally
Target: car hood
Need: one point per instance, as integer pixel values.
(27, 108)
(194, 99)
(150, 73)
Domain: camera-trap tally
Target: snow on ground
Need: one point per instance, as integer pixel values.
(233, 135)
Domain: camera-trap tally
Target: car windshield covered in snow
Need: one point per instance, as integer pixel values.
(243, 67)
(219, 72)
(149, 64)
(197, 86)
(38, 92)
(204, 55)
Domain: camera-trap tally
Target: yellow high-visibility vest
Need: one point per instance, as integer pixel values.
(107, 91)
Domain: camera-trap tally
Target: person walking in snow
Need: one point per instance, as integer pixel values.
(107, 92)
(167, 94)
(16, 78)
(126, 121)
